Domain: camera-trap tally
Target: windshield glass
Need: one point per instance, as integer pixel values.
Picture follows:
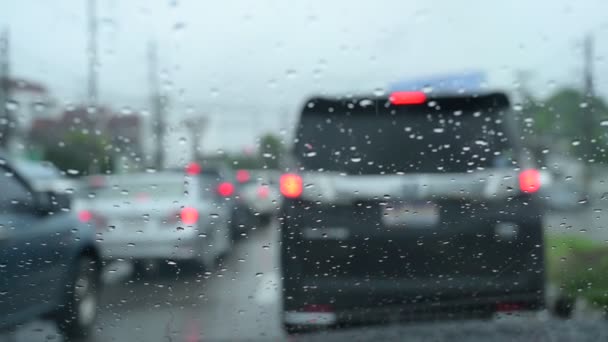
(414, 139)
(121, 189)
(303, 170)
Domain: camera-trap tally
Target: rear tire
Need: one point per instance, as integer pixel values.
(75, 320)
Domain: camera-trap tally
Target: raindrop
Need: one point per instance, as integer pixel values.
(291, 73)
(39, 106)
(182, 141)
(11, 105)
(311, 154)
(518, 107)
(214, 216)
(265, 247)
(259, 274)
(355, 159)
(438, 130)
(365, 103)
(379, 92)
(73, 172)
(179, 26)
(604, 123)
(576, 142)
(583, 105)
(171, 262)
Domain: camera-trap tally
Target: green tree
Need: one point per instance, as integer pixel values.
(81, 154)
(271, 151)
(561, 118)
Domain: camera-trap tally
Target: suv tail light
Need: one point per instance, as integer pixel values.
(291, 185)
(529, 181)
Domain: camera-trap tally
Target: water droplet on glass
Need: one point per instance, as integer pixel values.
(379, 92)
(355, 159)
(11, 105)
(291, 73)
(576, 142)
(182, 141)
(73, 172)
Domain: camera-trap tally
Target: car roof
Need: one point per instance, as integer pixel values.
(349, 98)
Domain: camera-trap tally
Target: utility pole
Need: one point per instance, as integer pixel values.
(196, 126)
(6, 131)
(157, 106)
(588, 113)
(92, 91)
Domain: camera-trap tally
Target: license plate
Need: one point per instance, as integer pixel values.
(411, 215)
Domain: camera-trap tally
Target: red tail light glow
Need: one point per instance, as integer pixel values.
(291, 185)
(407, 97)
(85, 216)
(529, 181)
(189, 215)
(193, 169)
(225, 189)
(263, 191)
(98, 221)
(242, 176)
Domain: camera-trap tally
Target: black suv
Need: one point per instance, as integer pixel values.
(408, 205)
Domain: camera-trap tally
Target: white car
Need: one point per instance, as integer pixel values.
(156, 217)
(262, 197)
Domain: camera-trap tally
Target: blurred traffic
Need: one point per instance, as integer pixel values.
(192, 172)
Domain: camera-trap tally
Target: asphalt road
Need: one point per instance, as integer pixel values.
(241, 303)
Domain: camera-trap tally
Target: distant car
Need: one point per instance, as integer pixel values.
(409, 205)
(255, 202)
(159, 217)
(45, 176)
(49, 263)
(262, 198)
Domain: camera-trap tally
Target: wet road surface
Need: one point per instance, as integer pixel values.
(241, 302)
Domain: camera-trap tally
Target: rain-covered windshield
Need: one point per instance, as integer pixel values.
(377, 139)
(303, 170)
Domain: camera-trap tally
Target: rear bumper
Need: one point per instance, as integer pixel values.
(455, 308)
(175, 249)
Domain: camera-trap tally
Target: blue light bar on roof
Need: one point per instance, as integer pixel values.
(450, 83)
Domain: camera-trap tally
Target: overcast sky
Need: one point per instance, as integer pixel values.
(244, 63)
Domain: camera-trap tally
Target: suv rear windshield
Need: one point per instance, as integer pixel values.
(456, 134)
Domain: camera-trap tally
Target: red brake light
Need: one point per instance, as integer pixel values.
(263, 191)
(85, 216)
(407, 97)
(189, 215)
(242, 176)
(529, 181)
(291, 185)
(193, 169)
(225, 189)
